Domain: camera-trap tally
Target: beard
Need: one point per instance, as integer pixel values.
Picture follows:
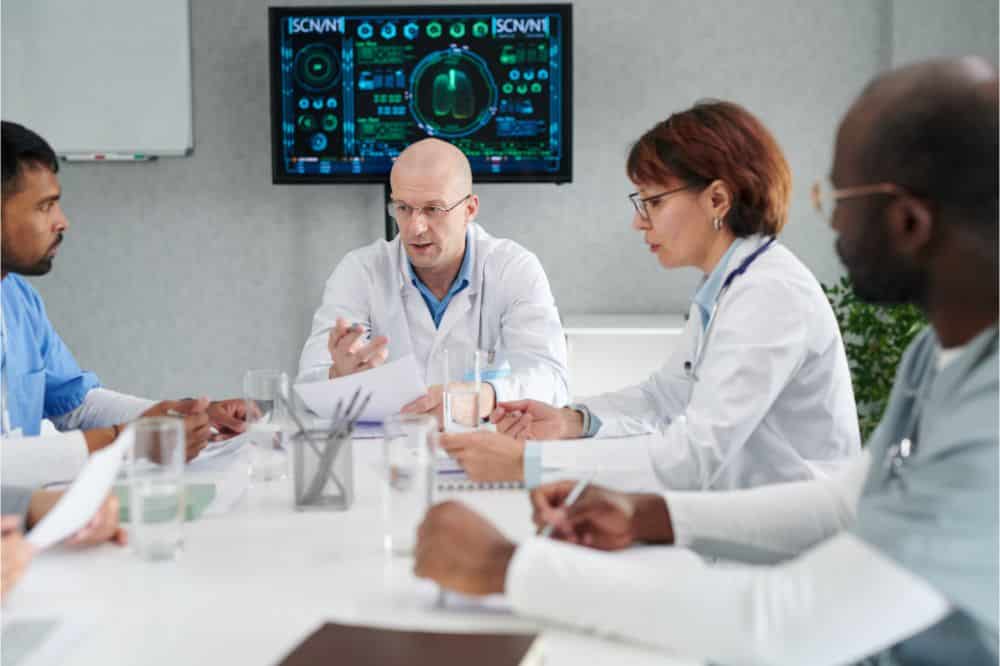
(38, 267)
(881, 277)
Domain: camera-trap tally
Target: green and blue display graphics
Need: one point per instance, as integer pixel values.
(351, 87)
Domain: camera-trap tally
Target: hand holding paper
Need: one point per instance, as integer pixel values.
(80, 505)
(392, 385)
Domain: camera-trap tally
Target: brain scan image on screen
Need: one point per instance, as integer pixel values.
(357, 86)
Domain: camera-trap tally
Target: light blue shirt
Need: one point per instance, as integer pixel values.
(437, 307)
(937, 514)
(708, 292)
(41, 377)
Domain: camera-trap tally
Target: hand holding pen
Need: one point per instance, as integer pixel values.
(597, 517)
(349, 352)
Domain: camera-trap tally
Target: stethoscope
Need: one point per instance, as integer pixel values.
(899, 454)
(691, 367)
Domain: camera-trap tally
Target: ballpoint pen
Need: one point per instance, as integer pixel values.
(574, 495)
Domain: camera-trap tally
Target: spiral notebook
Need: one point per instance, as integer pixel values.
(451, 476)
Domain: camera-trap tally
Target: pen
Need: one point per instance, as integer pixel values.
(574, 495)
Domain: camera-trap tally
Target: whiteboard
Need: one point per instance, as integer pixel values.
(101, 76)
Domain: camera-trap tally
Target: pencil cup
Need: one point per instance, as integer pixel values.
(322, 471)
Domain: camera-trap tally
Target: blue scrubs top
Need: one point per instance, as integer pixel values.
(41, 377)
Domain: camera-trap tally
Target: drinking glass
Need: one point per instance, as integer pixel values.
(409, 450)
(462, 389)
(156, 487)
(266, 423)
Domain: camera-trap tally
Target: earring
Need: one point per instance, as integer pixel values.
(717, 223)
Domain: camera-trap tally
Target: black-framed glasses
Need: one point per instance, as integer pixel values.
(640, 202)
(400, 210)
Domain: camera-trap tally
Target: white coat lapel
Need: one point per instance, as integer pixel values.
(400, 338)
(455, 315)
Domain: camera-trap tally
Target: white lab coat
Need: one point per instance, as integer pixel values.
(773, 401)
(507, 307)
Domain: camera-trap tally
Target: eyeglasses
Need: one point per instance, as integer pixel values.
(640, 203)
(825, 197)
(400, 210)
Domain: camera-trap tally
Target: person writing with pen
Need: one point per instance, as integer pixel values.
(894, 561)
(758, 390)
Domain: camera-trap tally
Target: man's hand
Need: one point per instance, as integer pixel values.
(15, 555)
(349, 354)
(530, 419)
(460, 550)
(104, 525)
(602, 518)
(486, 456)
(462, 410)
(229, 417)
(197, 429)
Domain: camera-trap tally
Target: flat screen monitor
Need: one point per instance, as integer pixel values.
(351, 87)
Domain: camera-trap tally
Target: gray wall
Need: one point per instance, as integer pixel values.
(178, 275)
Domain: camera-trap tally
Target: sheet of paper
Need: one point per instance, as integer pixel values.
(560, 646)
(79, 504)
(30, 640)
(221, 447)
(392, 385)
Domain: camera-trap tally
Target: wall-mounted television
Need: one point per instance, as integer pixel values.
(352, 86)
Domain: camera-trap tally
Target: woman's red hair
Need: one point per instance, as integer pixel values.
(719, 141)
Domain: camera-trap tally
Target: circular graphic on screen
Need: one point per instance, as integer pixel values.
(452, 93)
(317, 68)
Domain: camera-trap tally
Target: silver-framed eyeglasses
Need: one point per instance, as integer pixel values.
(400, 210)
(640, 202)
(825, 196)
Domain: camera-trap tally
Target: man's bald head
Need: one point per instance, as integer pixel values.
(432, 198)
(932, 128)
(432, 165)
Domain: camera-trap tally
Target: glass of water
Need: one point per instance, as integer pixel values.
(408, 475)
(266, 423)
(462, 389)
(156, 487)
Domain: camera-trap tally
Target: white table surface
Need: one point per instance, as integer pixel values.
(252, 582)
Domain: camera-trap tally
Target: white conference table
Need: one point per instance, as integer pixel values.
(255, 580)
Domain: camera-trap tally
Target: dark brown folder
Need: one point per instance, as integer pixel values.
(344, 645)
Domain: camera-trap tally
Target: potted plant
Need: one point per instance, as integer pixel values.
(875, 337)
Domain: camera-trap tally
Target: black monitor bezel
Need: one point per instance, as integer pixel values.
(276, 13)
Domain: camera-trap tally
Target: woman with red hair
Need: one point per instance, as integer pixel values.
(758, 390)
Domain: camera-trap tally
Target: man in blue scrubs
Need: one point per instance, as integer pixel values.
(40, 377)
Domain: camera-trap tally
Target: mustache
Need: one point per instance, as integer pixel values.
(58, 242)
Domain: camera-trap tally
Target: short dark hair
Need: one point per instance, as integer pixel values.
(23, 148)
(942, 145)
(719, 140)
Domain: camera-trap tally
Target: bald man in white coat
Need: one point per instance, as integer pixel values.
(442, 284)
